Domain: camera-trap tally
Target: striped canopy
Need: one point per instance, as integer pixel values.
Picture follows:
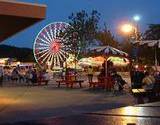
(150, 43)
(108, 50)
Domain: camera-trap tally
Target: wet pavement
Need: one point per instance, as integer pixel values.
(49, 105)
(110, 117)
(32, 103)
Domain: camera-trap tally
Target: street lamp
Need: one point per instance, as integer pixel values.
(136, 18)
(130, 31)
(127, 28)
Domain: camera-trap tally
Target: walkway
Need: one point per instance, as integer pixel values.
(33, 103)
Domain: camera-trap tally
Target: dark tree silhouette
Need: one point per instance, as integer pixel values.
(106, 37)
(86, 25)
(152, 33)
(21, 54)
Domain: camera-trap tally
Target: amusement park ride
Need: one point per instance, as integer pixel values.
(54, 44)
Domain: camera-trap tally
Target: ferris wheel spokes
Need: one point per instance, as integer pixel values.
(51, 31)
(53, 44)
(43, 35)
(49, 37)
(42, 56)
(42, 40)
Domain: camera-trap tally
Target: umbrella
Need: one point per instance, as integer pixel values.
(108, 50)
(150, 43)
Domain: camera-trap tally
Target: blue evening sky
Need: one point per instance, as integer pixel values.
(112, 12)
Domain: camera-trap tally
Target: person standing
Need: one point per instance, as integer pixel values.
(148, 81)
(138, 76)
(46, 77)
(40, 77)
(1, 76)
(34, 76)
(90, 74)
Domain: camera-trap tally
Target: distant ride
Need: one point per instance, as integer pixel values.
(53, 45)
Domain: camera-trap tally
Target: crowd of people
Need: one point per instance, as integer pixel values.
(147, 79)
(108, 79)
(28, 75)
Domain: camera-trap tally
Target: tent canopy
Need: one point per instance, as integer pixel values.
(107, 50)
(99, 60)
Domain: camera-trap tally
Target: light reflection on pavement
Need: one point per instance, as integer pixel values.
(28, 103)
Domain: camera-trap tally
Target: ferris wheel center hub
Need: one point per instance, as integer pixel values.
(55, 47)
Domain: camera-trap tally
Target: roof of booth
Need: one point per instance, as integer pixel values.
(16, 16)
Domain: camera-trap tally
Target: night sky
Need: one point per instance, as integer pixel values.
(113, 12)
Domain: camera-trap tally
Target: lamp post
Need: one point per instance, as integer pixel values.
(131, 31)
(136, 19)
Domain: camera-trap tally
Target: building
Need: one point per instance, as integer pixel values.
(16, 16)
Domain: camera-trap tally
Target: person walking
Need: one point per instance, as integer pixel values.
(90, 74)
(1, 76)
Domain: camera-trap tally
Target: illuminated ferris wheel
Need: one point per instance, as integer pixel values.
(54, 44)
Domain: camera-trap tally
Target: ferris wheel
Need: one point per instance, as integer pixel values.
(54, 44)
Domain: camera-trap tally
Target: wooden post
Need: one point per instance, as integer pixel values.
(106, 74)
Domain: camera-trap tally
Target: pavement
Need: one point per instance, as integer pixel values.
(24, 103)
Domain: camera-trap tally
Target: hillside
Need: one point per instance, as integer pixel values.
(21, 54)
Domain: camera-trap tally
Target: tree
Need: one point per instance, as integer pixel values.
(147, 53)
(152, 33)
(86, 25)
(106, 37)
(21, 54)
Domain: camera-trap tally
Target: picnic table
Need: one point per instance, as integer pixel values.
(151, 94)
(103, 82)
(70, 80)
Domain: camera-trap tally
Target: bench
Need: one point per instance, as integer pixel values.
(152, 95)
(69, 82)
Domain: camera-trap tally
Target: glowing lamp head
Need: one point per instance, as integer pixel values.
(136, 66)
(136, 18)
(127, 28)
